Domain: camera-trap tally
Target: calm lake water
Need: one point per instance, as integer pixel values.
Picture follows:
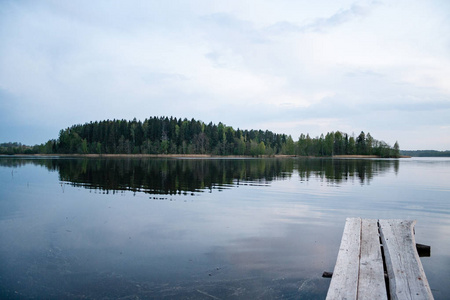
(204, 228)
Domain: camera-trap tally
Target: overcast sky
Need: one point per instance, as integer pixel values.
(288, 66)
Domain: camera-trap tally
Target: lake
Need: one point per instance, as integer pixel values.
(155, 228)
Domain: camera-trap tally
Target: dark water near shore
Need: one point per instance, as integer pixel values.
(204, 228)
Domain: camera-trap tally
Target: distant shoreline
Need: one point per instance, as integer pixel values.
(199, 156)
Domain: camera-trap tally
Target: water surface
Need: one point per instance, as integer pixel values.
(204, 228)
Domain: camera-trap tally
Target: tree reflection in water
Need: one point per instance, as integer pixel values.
(192, 176)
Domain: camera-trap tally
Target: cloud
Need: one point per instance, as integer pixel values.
(321, 25)
(339, 18)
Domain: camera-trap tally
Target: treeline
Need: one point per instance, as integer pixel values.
(163, 135)
(18, 148)
(425, 153)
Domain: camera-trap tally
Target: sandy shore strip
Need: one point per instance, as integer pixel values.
(156, 155)
(198, 156)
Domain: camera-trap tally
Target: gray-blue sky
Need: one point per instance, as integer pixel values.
(287, 66)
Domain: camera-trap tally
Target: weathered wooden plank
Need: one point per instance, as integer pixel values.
(344, 284)
(407, 278)
(371, 274)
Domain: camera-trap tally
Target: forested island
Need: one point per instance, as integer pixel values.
(164, 135)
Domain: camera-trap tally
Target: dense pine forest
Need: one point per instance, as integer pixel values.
(163, 135)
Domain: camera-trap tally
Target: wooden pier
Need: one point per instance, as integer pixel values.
(378, 259)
